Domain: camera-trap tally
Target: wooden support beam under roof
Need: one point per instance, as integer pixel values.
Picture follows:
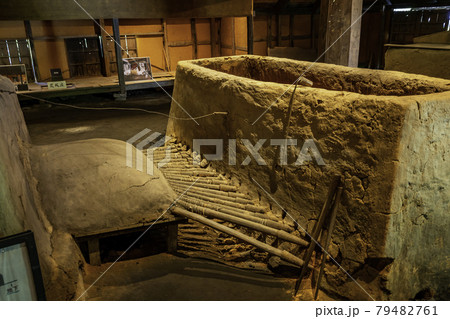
(131, 9)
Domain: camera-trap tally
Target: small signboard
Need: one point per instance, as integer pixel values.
(20, 272)
(57, 85)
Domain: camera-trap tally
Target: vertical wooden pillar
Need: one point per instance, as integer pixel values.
(291, 30)
(278, 30)
(100, 31)
(165, 44)
(269, 32)
(233, 37)
(116, 32)
(341, 43)
(172, 238)
(213, 36)
(194, 39)
(250, 34)
(219, 35)
(29, 35)
(94, 252)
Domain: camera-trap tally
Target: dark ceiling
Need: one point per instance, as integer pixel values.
(310, 6)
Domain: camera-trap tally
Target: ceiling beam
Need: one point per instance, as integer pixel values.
(130, 9)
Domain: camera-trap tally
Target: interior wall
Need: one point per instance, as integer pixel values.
(186, 38)
(51, 50)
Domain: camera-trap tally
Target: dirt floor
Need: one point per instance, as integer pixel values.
(50, 124)
(174, 278)
(157, 277)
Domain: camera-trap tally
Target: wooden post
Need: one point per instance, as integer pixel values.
(165, 44)
(233, 37)
(278, 30)
(269, 32)
(250, 34)
(194, 39)
(100, 31)
(123, 91)
(219, 35)
(341, 41)
(29, 35)
(172, 238)
(291, 30)
(213, 36)
(94, 252)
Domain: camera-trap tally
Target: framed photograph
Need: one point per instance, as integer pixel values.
(20, 272)
(137, 69)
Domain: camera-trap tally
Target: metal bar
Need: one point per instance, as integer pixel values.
(116, 32)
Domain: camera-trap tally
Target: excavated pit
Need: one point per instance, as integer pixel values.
(385, 133)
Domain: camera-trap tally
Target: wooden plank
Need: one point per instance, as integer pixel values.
(194, 39)
(250, 34)
(120, 73)
(131, 9)
(94, 252)
(29, 35)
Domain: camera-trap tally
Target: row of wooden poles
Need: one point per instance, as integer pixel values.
(212, 196)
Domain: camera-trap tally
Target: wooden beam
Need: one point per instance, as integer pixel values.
(105, 61)
(131, 9)
(250, 34)
(219, 35)
(233, 37)
(341, 41)
(291, 30)
(194, 39)
(116, 33)
(269, 32)
(213, 36)
(29, 35)
(278, 18)
(165, 44)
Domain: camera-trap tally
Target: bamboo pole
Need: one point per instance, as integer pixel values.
(328, 236)
(223, 198)
(220, 187)
(248, 207)
(263, 246)
(193, 179)
(254, 217)
(246, 223)
(189, 172)
(215, 192)
(318, 227)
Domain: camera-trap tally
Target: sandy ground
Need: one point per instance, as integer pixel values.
(158, 277)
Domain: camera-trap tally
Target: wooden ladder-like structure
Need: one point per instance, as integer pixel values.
(213, 198)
